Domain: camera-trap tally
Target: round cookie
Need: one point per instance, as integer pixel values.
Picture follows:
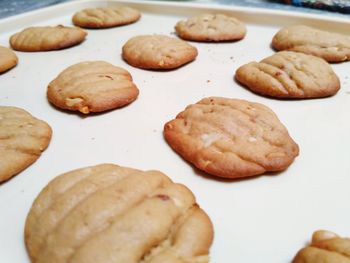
(158, 52)
(108, 213)
(8, 59)
(47, 38)
(289, 74)
(92, 86)
(332, 47)
(105, 17)
(211, 27)
(325, 247)
(231, 138)
(22, 140)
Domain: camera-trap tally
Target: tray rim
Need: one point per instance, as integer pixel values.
(320, 20)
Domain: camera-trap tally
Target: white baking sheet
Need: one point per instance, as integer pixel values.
(262, 219)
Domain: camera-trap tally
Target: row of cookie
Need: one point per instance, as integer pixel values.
(54, 38)
(105, 212)
(224, 137)
(302, 71)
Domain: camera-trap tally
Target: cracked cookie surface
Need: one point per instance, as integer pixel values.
(22, 140)
(325, 247)
(108, 213)
(47, 38)
(330, 46)
(211, 27)
(231, 138)
(158, 52)
(92, 86)
(105, 17)
(8, 59)
(288, 74)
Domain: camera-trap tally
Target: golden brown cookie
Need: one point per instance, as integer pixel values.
(211, 27)
(330, 46)
(8, 59)
(108, 213)
(289, 74)
(231, 138)
(104, 17)
(326, 247)
(47, 38)
(22, 140)
(92, 86)
(158, 52)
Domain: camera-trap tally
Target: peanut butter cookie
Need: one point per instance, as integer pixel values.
(325, 247)
(211, 27)
(330, 46)
(47, 38)
(104, 17)
(158, 52)
(92, 86)
(8, 59)
(108, 213)
(22, 140)
(231, 138)
(289, 74)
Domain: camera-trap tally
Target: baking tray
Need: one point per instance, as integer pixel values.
(262, 219)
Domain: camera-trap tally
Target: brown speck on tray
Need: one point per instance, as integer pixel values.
(208, 81)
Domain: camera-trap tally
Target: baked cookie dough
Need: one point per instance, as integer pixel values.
(47, 38)
(332, 47)
(92, 86)
(22, 140)
(158, 52)
(8, 59)
(231, 138)
(108, 213)
(104, 17)
(289, 74)
(325, 247)
(211, 27)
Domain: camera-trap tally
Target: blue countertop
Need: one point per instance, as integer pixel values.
(13, 7)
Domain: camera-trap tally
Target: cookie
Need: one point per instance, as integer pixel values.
(92, 86)
(105, 17)
(8, 59)
(326, 247)
(211, 27)
(289, 74)
(231, 138)
(330, 46)
(22, 140)
(158, 52)
(47, 38)
(108, 213)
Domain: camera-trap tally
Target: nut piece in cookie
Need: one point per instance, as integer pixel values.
(325, 247)
(158, 52)
(231, 138)
(92, 86)
(105, 17)
(289, 74)
(211, 27)
(22, 140)
(47, 38)
(108, 213)
(8, 59)
(332, 47)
